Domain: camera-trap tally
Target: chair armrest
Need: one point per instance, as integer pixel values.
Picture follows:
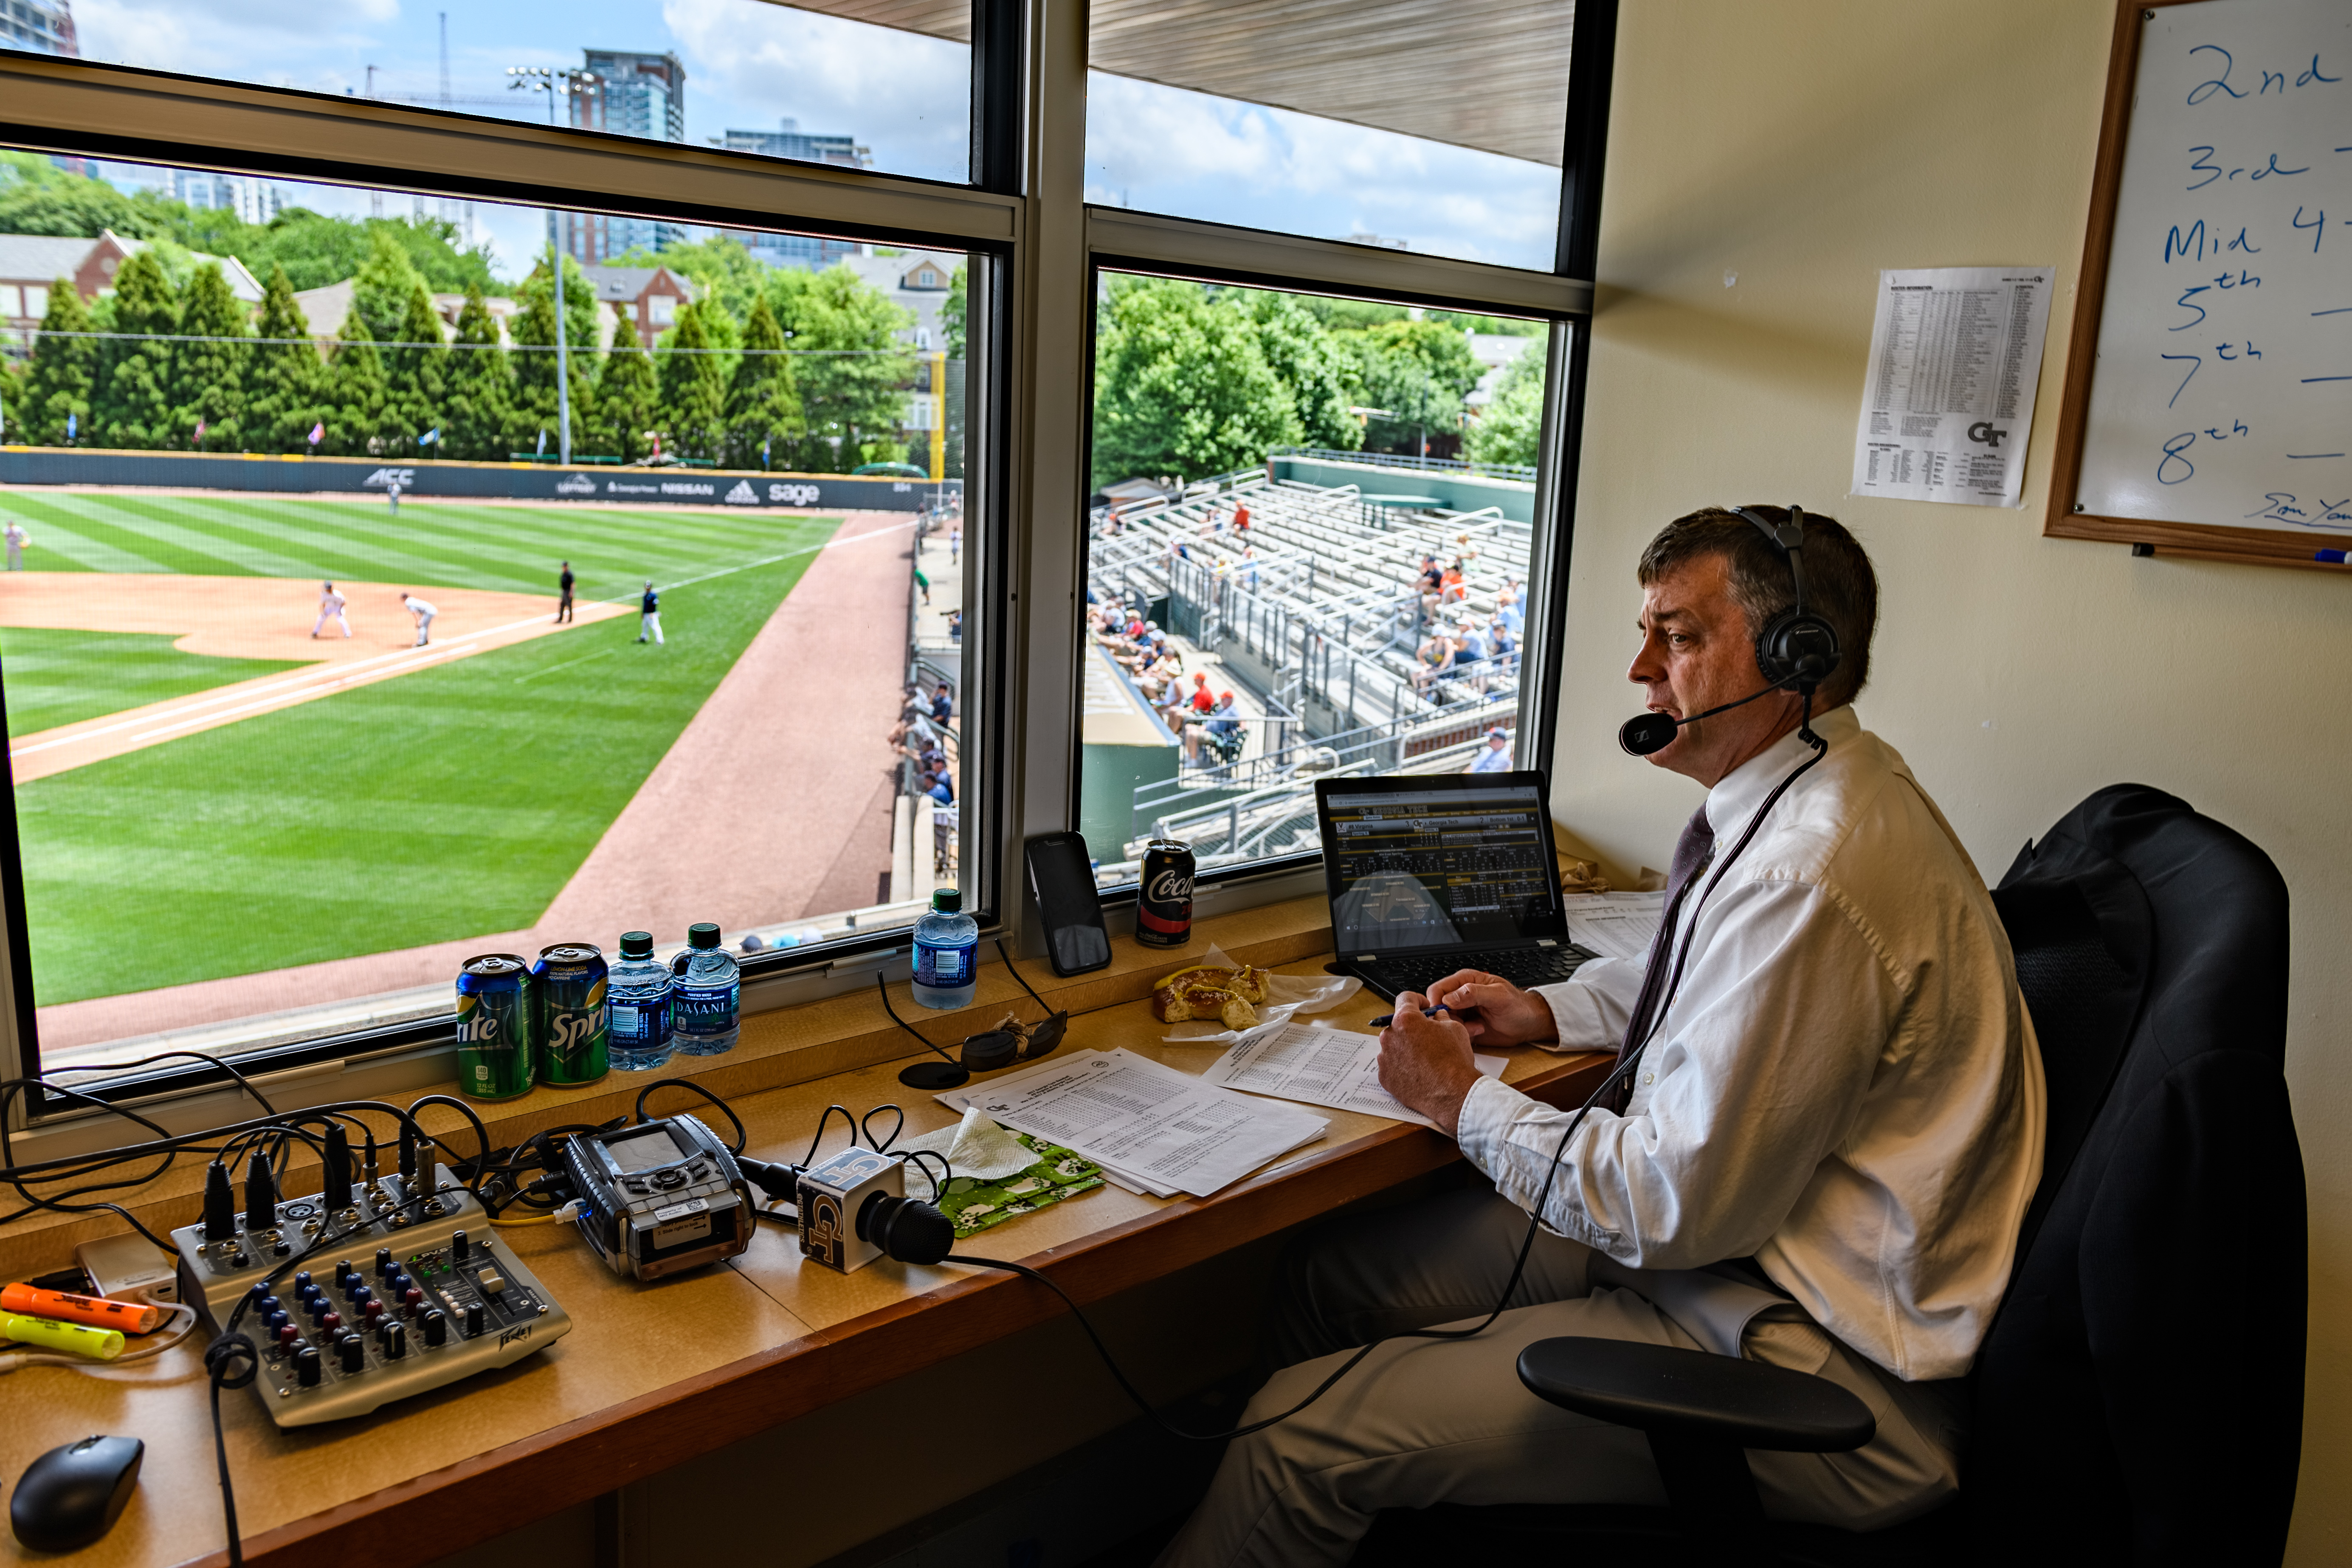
(1688, 1394)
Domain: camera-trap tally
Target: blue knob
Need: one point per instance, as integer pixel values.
(361, 1295)
(276, 1321)
(302, 1281)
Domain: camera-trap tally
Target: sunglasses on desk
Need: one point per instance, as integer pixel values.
(1010, 1041)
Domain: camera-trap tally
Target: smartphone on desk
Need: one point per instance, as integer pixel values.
(1062, 876)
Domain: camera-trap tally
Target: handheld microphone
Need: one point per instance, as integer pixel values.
(1648, 732)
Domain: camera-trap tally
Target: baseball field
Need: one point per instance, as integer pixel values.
(204, 792)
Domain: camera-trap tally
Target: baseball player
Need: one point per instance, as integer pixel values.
(424, 614)
(331, 608)
(649, 614)
(17, 539)
(563, 610)
(392, 493)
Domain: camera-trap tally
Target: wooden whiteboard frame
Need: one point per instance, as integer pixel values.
(2064, 518)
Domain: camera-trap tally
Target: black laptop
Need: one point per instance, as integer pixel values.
(1432, 874)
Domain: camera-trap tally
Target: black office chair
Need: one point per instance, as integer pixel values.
(2116, 1418)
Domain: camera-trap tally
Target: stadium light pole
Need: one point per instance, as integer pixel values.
(554, 82)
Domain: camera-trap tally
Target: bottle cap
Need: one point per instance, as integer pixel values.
(702, 933)
(948, 900)
(637, 944)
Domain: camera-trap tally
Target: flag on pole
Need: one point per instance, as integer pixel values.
(540, 451)
(431, 438)
(71, 421)
(318, 432)
(763, 450)
(200, 430)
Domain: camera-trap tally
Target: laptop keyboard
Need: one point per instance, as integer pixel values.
(1520, 965)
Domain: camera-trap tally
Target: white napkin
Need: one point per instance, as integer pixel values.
(975, 1147)
(1287, 995)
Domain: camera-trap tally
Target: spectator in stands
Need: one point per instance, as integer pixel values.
(939, 787)
(1450, 585)
(1201, 700)
(1502, 648)
(1249, 567)
(1497, 757)
(1225, 732)
(1204, 737)
(943, 703)
(1435, 658)
(1241, 517)
(911, 714)
(1507, 607)
(955, 625)
(1470, 655)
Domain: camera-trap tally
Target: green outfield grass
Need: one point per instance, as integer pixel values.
(51, 678)
(441, 804)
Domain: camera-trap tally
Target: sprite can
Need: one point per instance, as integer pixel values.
(575, 1019)
(494, 1026)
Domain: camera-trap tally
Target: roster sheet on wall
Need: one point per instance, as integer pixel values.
(1948, 403)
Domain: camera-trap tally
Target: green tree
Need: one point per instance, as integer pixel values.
(1350, 315)
(418, 378)
(693, 388)
(317, 250)
(1182, 388)
(208, 378)
(135, 381)
(1496, 326)
(535, 406)
(1511, 429)
(63, 377)
(287, 393)
(723, 272)
(628, 399)
(952, 308)
(854, 375)
(358, 425)
(764, 401)
(381, 287)
(479, 410)
(68, 205)
(1419, 372)
(1320, 375)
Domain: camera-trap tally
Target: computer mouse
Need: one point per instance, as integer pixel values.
(70, 1496)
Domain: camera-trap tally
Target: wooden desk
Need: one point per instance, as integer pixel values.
(654, 1374)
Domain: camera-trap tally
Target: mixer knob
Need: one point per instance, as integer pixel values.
(361, 1296)
(302, 1282)
(288, 1336)
(344, 1272)
(436, 1327)
(267, 1305)
(306, 1366)
(354, 1351)
(474, 1319)
(382, 1259)
(329, 1322)
(373, 1313)
(395, 1340)
(412, 1297)
(276, 1319)
(457, 1246)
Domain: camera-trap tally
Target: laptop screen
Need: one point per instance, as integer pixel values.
(1415, 863)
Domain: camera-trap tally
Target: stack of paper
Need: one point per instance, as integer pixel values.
(1320, 1065)
(1614, 925)
(1150, 1127)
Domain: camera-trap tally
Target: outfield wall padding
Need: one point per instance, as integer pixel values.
(485, 481)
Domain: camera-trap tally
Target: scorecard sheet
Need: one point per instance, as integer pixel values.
(1319, 1066)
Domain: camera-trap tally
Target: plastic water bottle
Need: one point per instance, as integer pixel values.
(639, 991)
(946, 952)
(706, 991)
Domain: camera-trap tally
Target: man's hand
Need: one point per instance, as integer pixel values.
(1505, 1016)
(1426, 1062)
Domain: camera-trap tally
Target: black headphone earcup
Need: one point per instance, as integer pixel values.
(1796, 648)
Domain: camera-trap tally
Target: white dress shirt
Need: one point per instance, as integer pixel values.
(1845, 1085)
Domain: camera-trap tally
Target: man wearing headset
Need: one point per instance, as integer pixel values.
(1827, 1136)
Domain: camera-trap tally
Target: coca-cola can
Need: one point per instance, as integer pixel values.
(1163, 907)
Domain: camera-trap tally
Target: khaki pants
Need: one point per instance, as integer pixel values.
(1430, 1421)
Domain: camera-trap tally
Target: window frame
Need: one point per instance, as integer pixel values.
(1034, 245)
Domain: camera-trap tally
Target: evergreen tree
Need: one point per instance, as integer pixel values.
(356, 425)
(417, 379)
(480, 402)
(534, 363)
(287, 393)
(693, 388)
(763, 404)
(134, 379)
(64, 374)
(627, 398)
(208, 378)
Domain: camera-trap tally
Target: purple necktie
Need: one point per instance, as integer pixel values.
(1692, 853)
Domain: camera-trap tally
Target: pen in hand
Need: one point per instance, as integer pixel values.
(1385, 1019)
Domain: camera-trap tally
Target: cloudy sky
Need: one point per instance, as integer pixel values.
(750, 65)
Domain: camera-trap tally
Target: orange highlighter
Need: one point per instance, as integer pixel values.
(129, 1316)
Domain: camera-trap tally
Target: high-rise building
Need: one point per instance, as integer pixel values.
(789, 141)
(47, 26)
(254, 201)
(635, 95)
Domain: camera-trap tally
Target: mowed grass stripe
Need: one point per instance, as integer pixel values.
(57, 678)
(74, 536)
(194, 527)
(449, 804)
(99, 519)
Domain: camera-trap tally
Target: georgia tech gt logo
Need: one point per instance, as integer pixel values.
(1985, 434)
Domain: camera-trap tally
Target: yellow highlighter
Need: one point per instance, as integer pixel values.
(48, 1333)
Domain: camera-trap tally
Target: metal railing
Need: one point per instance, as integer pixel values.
(1516, 472)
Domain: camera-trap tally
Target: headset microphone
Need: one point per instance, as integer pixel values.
(1648, 732)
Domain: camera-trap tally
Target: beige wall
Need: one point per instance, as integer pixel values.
(1802, 145)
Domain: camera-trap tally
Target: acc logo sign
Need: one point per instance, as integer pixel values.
(382, 478)
(792, 495)
(1984, 434)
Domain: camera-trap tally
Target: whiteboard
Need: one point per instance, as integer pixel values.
(2222, 391)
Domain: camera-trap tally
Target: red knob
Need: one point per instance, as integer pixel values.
(414, 1296)
(374, 1310)
(329, 1324)
(288, 1336)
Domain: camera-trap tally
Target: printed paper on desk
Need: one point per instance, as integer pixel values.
(1947, 397)
(1287, 995)
(1321, 1066)
(1153, 1124)
(1614, 925)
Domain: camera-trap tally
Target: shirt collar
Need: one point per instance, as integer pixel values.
(1736, 796)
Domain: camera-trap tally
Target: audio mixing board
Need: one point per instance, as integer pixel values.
(412, 1290)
